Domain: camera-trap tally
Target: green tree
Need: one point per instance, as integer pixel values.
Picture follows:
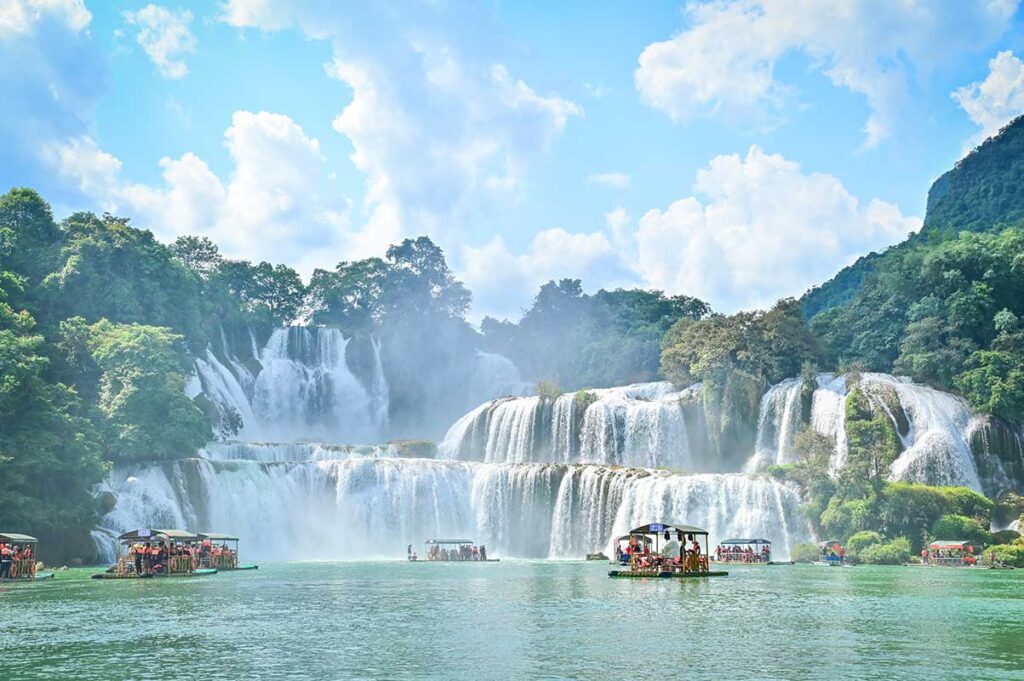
(142, 392)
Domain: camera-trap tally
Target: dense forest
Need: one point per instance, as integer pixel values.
(99, 322)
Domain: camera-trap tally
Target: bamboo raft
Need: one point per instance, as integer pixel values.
(159, 575)
(666, 574)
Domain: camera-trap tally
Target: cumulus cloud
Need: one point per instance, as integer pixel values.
(164, 36)
(613, 180)
(441, 128)
(995, 101)
(22, 16)
(723, 62)
(272, 206)
(760, 229)
(504, 282)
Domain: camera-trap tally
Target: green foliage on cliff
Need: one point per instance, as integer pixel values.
(984, 190)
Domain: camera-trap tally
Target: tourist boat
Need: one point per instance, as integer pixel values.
(632, 543)
(832, 554)
(208, 557)
(689, 564)
(172, 566)
(952, 553)
(438, 551)
(25, 568)
(747, 552)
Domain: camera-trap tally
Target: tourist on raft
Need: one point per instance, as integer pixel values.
(742, 554)
(14, 560)
(460, 554)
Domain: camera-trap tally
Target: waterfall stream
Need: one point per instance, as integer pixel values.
(365, 507)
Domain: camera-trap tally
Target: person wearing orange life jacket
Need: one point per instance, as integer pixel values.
(6, 556)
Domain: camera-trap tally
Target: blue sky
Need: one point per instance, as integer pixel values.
(736, 150)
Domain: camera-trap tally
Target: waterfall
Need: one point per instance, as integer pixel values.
(777, 425)
(828, 414)
(636, 425)
(374, 507)
(937, 442)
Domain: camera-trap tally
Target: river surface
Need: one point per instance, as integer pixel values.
(517, 620)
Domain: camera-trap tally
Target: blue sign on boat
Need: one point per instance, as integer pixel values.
(657, 527)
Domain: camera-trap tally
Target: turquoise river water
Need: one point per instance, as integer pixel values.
(517, 620)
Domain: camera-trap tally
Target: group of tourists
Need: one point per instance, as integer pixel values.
(954, 557)
(743, 554)
(466, 552)
(147, 558)
(639, 557)
(16, 561)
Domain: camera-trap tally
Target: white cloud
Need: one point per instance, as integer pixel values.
(442, 129)
(271, 207)
(22, 16)
(762, 229)
(165, 37)
(723, 62)
(613, 180)
(503, 282)
(995, 101)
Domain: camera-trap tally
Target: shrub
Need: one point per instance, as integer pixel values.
(1008, 554)
(895, 552)
(804, 553)
(952, 526)
(548, 390)
(861, 541)
(583, 399)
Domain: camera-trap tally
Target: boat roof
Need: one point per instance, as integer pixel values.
(147, 534)
(629, 536)
(15, 537)
(215, 536)
(449, 541)
(655, 528)
(745, 541)
(951, 544)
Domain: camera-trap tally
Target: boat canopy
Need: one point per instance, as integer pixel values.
(657, 528)
(829, 544)
(214, 536)
(951, 544)
(742, 542)
(158, 535)
(14, 537)
(449, 541)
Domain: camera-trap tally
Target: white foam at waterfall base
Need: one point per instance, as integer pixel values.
(364, 508)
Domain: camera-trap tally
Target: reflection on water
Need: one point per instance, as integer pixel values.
(516, 619)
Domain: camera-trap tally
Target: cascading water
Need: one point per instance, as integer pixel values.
(828, 414)
(366, 507)
(637, 425)
(937, 443)
(777, 425)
